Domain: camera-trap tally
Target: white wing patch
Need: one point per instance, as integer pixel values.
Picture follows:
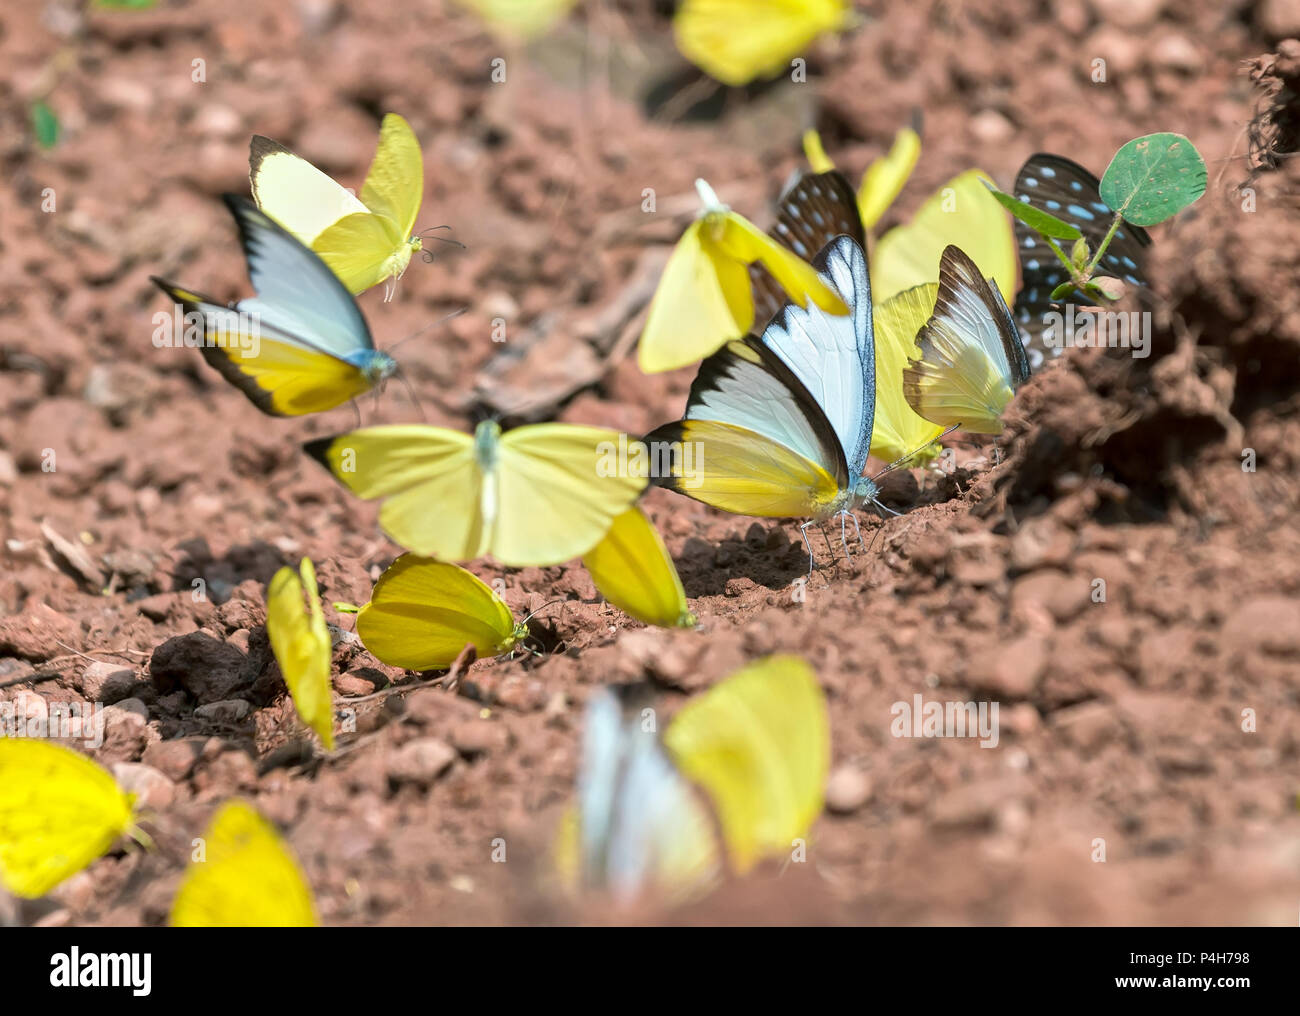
(834, 355)
(297, 294)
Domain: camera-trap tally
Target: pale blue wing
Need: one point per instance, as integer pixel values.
(834, 356)
(297, 294)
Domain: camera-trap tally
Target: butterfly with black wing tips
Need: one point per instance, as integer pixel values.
(780, 425)
(969, 360)
(301, 345)
(1063, 188)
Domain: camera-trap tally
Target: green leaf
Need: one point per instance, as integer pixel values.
(1048, 225)
(1153, 178)
(1112, 289)
(1064, 289)
(126, 5)
(45, 125)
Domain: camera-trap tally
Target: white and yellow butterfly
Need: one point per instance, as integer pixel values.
(302, 646)
(59, 811)
(301, 345)
(736, 41)
(364, 241)
(536, 495)
(739, 775)
(969, 359)
(519, 19)
(781, 425)
(245, 877)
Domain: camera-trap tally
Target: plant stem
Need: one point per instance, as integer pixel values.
(1105, 242)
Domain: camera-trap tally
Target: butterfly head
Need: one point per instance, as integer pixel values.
(487, 439)
(864, 490)
(377, 367)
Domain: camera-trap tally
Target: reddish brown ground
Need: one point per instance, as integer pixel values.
(1121, 721)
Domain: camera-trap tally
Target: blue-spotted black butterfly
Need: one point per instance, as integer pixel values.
(1065, 189)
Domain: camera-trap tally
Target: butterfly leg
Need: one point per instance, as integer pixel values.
(858, 529)
(888, 511)
(844, 541)
(803, 531)
(825, 536)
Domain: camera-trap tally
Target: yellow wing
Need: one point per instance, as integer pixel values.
(538, 495)
(302, 647)
(295, 193)
(428, 477)
(898, 430)
(740, 471)
(422, 613)
(634, 571)
(704, 298)
(246, 878)
(559, 488)
(394, 186)
(523, 19)
(702, 301)
(638, 828)
(759, 745)
(59, 811)
(884, 178)
(736, 41)
(363, 250)
(962, 213)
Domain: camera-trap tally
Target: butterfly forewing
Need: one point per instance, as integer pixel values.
(813, 211)
(1068, 191)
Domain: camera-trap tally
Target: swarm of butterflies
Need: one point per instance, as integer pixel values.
(864, 346)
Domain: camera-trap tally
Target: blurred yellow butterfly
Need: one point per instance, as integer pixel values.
(59, 811)
(634, 571)
(301, 643)
(704, 297)
(748, 759)
(524, 19)
(536, 495)
(245, 877)
(737, 41)
(422, 613)
(363, 241)
(969, 359)
(961, 212)
(301, 345)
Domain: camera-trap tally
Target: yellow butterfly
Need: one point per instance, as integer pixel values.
(634, 571)
(704, 297)
(422, 613)
(536, 495)
(363, 241)
(524, 19)
(747, 759)
(961, 212)
(969, 359)
(899, 431)
(302, 647)
(245, 878)
(737, 41)
(301, 345)
(59, 811)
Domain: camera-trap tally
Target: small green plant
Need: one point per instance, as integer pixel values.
(1149, 180)
(45, 124)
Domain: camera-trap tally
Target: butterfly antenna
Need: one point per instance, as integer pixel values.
(428, 327)
(410, 393)
(548, 603)
(425, 253)
(916, 451)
